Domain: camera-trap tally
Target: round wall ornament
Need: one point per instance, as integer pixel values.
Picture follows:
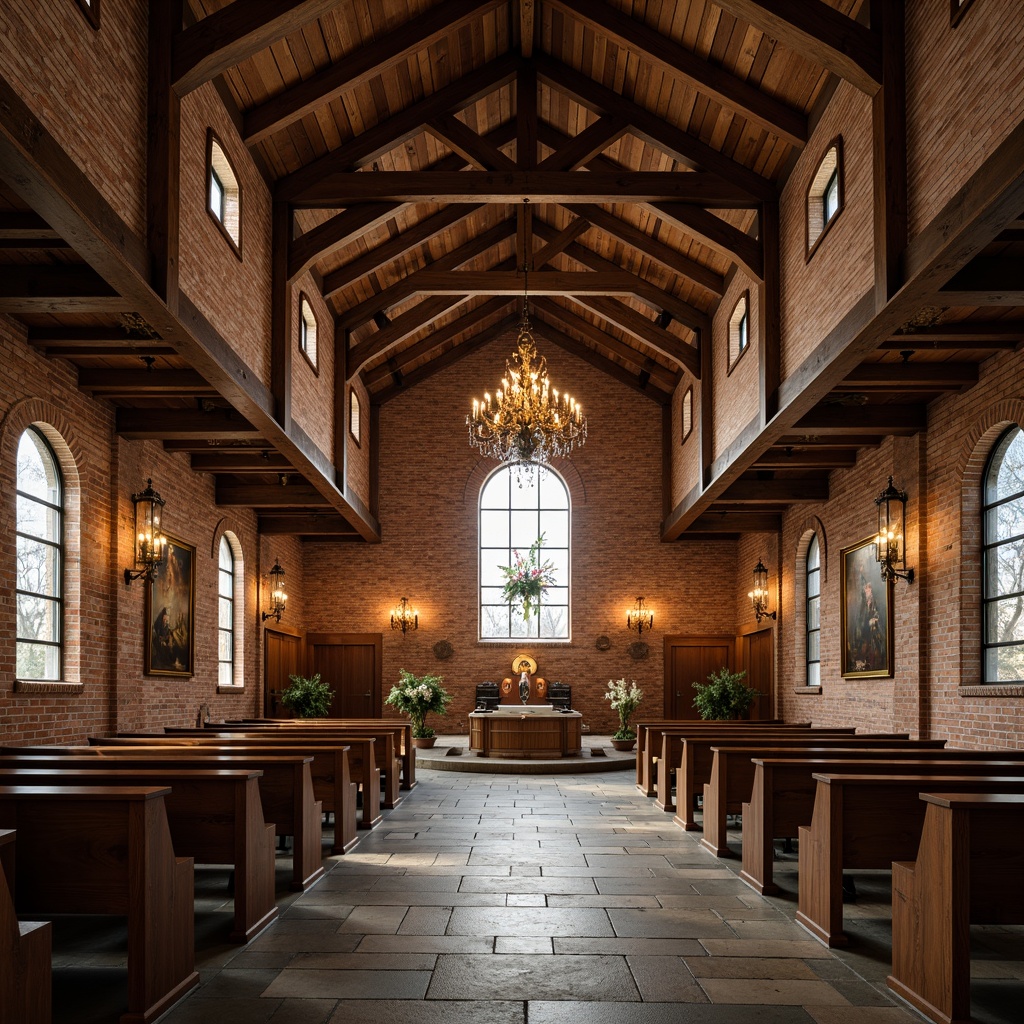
(443, 650)
(524, 663)
(602, 643)
(638, 650)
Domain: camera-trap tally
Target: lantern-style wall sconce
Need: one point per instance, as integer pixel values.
(890, 542)
(405, 618)
(759, 595)
(639, 617)
(150, 542)
(278, 598)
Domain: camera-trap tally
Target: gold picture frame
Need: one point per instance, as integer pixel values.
(866, 615)
(169, 643)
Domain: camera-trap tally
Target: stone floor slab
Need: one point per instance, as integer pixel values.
(348, 984)
(528, 921)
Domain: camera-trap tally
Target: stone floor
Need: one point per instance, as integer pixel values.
(535, 900)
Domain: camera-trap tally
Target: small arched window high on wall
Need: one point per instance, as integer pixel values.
(825, 195)
(307, 331)
(813, 613)
(1002, 587)
(40, 560)
(226, 615)
(223, 193)
(739, 329)
(516, 509)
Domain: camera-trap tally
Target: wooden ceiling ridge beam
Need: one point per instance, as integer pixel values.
(675, 60)
(341, 188)
(601, 362)
(683, 311)
(48, 180)
(568, 320)
(676, 142)
(435, 339)
(366, 61)
(821, 34)
(231, 35)
(444, 360)
(385, 135)
(359, 314)
(527, 27)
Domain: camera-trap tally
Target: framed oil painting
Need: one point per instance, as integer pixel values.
(867, 625)
(170, 614)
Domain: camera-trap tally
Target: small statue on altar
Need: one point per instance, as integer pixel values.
(531, 689)
(524, 686)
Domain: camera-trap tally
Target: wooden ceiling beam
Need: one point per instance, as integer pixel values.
(681, 64)
(965, 335)
(181, 425)
(527, 27)
(557, 242)
(556, 315)
(60, 288)
(25, 225)
(472, 147)
(804, 491)
(312, 524)
(242, 463)
(365, 62)
(251, 495)
(788, 458)
(905, 376)
(871, 420)
(436, 339)
(391, 132)
(638, 326)
(590, 142)
(736, 522)
(689, 150)
(987, 281)
(655, 250)
(603, 363)
(107, 383)
(364, 311)
(821, 34)
(343, 188)
(233, 34)
(248, 445)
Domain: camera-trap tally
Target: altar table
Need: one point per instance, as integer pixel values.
(526, 731)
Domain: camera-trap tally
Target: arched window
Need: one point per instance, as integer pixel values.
(825, 195)
(813, 613)
(739, 329)
(40, 555)
(230, 612)
(515, 509)
(1003, 561)
(223, 193)
(307, 331)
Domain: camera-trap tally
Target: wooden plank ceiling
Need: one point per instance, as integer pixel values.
(423, 153)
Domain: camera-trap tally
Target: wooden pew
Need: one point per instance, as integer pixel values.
(868, 821)
(968, 871)
(26, 992)
(402, 730)
(782, 798)
(286, 787)
(648, 743)
(676, 760)
(107, 850)
(329, 770)
(732, 775)
(214, 816)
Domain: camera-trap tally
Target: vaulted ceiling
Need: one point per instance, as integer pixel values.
(429, 159)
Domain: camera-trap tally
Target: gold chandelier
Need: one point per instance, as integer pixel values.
(526, 422)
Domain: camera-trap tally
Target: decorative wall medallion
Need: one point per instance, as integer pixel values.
(638, 650)
(443, 650)
(602, 643)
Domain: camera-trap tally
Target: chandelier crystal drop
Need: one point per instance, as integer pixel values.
(527, 422)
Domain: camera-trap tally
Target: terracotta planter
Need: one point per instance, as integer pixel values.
(623, 745)
(423, 742)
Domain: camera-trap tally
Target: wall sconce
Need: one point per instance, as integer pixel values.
(405, 618)
(639, 617)
(890, 545)
(150, 543)
(278, 598)
(759, 595)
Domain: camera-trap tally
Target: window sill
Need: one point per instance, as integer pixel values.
(807, 689)
(523, 640)
(41, 686)
(230, 689)
(991, 690)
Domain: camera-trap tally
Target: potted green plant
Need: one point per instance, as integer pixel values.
(624, 699)
(308, 697)
(725, 695)
(417, 696)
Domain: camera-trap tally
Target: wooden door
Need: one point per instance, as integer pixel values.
(757, 656)
(688, 660)
(350, 663)
(282, 657)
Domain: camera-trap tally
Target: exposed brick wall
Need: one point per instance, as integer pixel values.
(429, 490)
(736, 400)
(313, 389)
(87, 88)
(965, 92)
(232, 293)
(817, 294)
(357, 465)
(685, 454)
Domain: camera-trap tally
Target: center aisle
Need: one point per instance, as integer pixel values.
(534, 900)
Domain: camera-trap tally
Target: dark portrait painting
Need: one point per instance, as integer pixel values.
(866, 614)
(170, 611)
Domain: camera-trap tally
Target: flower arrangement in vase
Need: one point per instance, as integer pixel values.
(417, 696)
(624, 699)
(527, 578)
